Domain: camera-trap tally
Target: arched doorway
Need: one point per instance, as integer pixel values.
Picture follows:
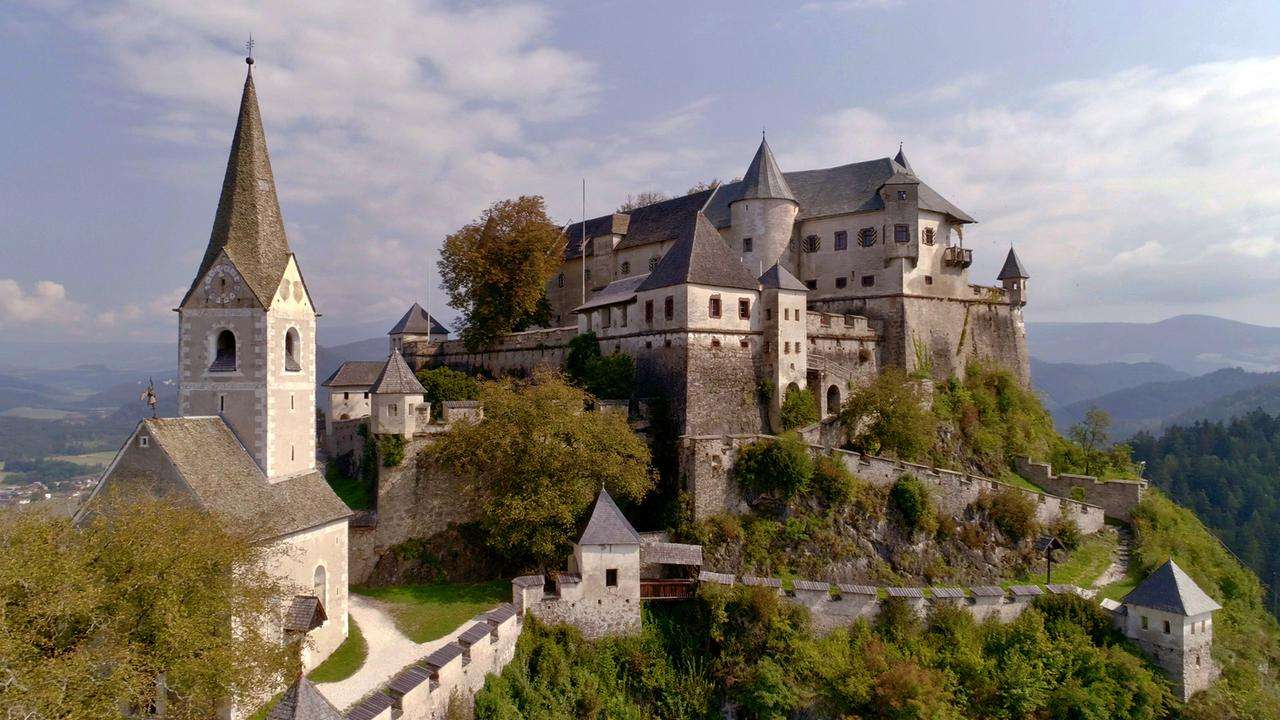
(833, 399)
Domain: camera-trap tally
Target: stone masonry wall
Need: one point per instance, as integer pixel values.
(706, 464)
(412, 501)
(514, 354)
(1117, 497)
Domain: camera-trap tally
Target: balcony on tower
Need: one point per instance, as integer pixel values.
(957, 256)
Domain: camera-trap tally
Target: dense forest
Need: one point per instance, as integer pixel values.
(1228, 473)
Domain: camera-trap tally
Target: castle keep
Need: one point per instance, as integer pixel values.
(728, 297)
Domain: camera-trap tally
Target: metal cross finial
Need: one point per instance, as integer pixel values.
(761, 132)
(248, 46)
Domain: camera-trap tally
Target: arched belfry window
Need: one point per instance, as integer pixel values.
(319, 586)
(224, 352)
(291, 350)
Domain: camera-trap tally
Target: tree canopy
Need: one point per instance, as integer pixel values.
(91, 617)
(544, 460)
(889, 416)
(609, 377)
(495, 269)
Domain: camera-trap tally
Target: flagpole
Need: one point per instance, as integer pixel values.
(582, 248)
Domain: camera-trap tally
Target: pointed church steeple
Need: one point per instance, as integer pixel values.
(901, 159)
(764, 178)
(248, 225)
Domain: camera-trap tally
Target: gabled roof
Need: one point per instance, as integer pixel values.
(608, 526)
(302, 701)
(1012, 268)
(654, 223)
(700, 257)
(248, 224)
(1171, 589)
(611, 224)
(213, 471)
(355, 373)
(418, 322)
(764, 178)
(618, 291)
(396, 378)
(780, 278)
(305, 614)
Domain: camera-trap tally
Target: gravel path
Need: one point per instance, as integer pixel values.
(1119, 561)
(389, 652)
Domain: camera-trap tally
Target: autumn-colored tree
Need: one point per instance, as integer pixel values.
(536, 462)
(495, 269)
(136, 605)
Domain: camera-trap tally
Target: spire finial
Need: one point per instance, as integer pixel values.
(762, 133)
(899, 146)
(248, 46)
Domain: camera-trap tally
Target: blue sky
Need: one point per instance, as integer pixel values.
(1132, 153)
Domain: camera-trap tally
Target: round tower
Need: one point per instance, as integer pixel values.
(763, 215)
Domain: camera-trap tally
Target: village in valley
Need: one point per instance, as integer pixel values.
(767, 449)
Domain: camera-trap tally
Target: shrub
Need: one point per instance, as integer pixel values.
(1065, 528)
(911, 506)
(1013, 512)
(799, 408)
(441, 384)
(774, 468)
(833, 483)
(610, 377)
(391, 448)
(887, 416)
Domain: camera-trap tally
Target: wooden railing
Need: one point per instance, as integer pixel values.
(668, 589)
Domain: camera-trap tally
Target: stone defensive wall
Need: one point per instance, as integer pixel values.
(706, 464)
(611, 615)
(511, 354)
(454, 672)
(1117, 497)
(840, 605)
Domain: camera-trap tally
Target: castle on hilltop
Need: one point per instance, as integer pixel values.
(728, 297)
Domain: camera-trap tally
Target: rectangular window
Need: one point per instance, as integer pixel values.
(666, 343)
(606, 317)
(928, 279)
(290, 401)
(786, 313)
(222, 403)
(346, 396)
(811, 284)
(1144, 622)
(868, 280)
(393, 408)
(648, 311)
(611, 577)
(366, 396)
(560, 280)
(786, 348)
(144, 441)
(715, 342)
(669, 307)
(842, 282)
(744, 308)
(744, 343)
(624, 316)
(713, 306)
(768, 313)
(746, 245)
(1167, 627)
(842, 240)
(901, 233)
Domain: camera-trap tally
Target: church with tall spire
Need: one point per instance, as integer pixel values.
(244, 443)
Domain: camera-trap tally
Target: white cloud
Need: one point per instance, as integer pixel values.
(45, 304)
(46, 311)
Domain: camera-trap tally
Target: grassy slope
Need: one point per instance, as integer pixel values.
(346, 660)
(355, 493)
(1083, 565)
(1246, 637)
(427, 612)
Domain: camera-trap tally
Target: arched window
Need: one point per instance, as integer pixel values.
(833, 399)
(291, 350)
(320, 588)
(224, 355)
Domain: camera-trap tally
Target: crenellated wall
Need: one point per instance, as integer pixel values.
(454, 672)
(511, 354)
(706, 468)
(1117, 497)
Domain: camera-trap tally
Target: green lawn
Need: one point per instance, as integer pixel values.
(1016, 480)
(346, 660)
(1084, 565)
(428, 612)
(103, 458)
(354, 492)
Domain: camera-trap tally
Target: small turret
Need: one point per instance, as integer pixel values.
(1014, 279)
(763, 215)
(396, 397)
(416, 325)
(901, 196)
(1171, 619)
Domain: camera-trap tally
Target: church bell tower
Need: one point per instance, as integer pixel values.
(246, 329)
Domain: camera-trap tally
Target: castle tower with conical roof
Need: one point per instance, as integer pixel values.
(246, 328)
(763, 215)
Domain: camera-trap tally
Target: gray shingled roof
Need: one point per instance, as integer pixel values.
(667, 553)
(302, 701)
(1060, 589)
(608, 526)
(417, 322)
(248, 225)
(947, 592)
(781, 278)
(904, 592)
(850, 589)
(355, 373)
(407, 679)
(700, 257)
(611, 224)
(764, 179)
(1026, 590)
(500, 614)
(442, 656)
(901, 159)
(852, 188)
(218, 475)
(369, 708)
(986, 591)
(753, 580)
(1013, 268)
(305, 614)
(396, 378)
(1171, 589)
(528, 581)
(715, 577)
(474, 634)
(812, 585)
(618, 291)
